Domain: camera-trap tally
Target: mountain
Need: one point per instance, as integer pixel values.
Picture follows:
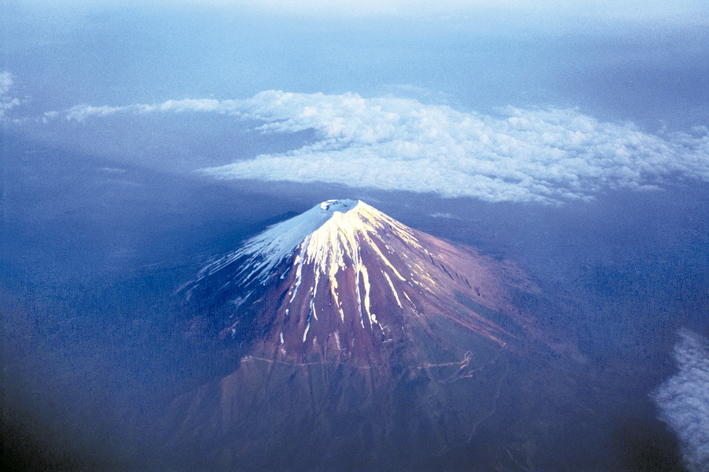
(354, 340)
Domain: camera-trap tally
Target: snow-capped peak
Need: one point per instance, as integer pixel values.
(339, 205)
(323, 234)
(344, 275)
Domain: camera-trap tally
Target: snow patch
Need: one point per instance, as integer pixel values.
(391, 285)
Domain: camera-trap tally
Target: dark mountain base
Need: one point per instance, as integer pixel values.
(272, 416)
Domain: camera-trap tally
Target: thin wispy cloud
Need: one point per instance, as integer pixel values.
(684, 400)
(81, 112)
(548, 156)
(7, 102)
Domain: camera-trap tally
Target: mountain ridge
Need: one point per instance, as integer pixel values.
(355, 334)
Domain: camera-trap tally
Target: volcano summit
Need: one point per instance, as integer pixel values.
(351, 325)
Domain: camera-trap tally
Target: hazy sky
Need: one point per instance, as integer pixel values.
(502, 101)
(350, 8)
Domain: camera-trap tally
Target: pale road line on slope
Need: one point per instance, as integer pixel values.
(471, 375)
(425, 365)
(464, 363)
(494, 400)
(297, 364)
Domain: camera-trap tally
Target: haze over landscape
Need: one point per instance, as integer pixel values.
(153, 151)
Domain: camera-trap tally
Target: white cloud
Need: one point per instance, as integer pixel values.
(5, 82)
(684, 400)
(6, 102)
(390, 143)
(521, 155)
(82, 112)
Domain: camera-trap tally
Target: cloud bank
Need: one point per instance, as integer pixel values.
(546, 156)
(684, 400)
